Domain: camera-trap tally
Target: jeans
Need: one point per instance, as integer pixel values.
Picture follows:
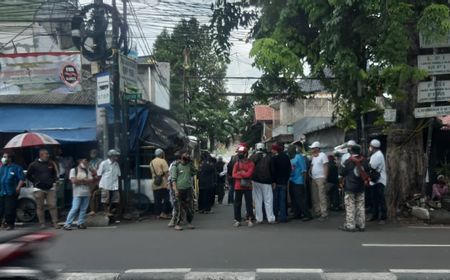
(80, 205)
(301, 201)
(280, 203)
(8, 206)
(162, 201)
(40, 196)
(238, 204)
(378, 202)
(231, 191)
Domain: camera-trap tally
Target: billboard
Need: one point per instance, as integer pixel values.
(40, 73)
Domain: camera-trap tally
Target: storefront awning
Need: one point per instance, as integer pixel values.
(64, 123)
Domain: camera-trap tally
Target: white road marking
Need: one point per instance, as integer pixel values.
(88, 276)
(360, 276)
(220, 276)
(406, 245)
(159, 270)
(430, 271)
(289, 270)
(430, 227)
(109, 227)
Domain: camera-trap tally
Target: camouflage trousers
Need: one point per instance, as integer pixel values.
(355, 210)
(175, 205)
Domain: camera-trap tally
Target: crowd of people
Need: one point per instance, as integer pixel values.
(270, 182)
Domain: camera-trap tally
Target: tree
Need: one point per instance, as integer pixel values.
(359, 50)
(197, 79)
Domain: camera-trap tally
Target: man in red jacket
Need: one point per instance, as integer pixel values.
(242, 175)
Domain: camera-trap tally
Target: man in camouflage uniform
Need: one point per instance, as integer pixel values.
(355, 171)
(173, 199)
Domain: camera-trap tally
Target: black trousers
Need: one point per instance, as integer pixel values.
(300, 202)
(220, 191)
(162, 201)
(231, 191)
(8, 206)
(205, 199)
(379, 209)
(238, 194)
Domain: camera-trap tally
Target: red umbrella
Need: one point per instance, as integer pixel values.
(30, 139)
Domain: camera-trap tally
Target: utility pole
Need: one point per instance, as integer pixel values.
(116, 80)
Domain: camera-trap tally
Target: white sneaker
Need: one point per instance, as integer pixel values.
(237, 224)
(250, 224)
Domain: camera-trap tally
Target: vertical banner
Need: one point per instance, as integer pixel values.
(40, 73)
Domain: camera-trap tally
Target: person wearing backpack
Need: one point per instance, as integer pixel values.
(355, 173)
(160, 174)
(262, 184)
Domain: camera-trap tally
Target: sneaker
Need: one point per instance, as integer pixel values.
(82, 226)
(92, 213)
(382, 222)
(67, 228)
(190, 226)
(344, 228)
(177, 227)
(306, 219)
(9, 228)
(323, 219)
(237, 224)
(360, 229)
(56, 226)
(273, 223)
(250, 224)
(171, 223)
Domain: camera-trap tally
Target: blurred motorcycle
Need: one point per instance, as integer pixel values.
(20, 258)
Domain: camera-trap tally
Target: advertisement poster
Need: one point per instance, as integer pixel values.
(40, 73)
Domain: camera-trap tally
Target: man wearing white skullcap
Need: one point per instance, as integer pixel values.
(378, 183)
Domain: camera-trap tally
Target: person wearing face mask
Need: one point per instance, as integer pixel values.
(109, 173)
(377, 186)
(81, 179)
(12, 180)
(242, 175)
(182, 184)
(440, 188)
(43, 174)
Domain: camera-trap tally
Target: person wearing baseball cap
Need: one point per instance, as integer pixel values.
(378, 164)
(319, 174)
(347, 155)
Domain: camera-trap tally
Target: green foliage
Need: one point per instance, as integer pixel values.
(435, 22)
(198, 99)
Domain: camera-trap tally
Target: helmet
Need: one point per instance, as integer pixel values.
(375, 143)
(113, 152)
(260, 146)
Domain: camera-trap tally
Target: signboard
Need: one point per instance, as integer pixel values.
(40, 73)
(390, 115)
(435, 64)
(128, 71)
(103, 89)
(429, 112)
(427, 44)
(433, 91)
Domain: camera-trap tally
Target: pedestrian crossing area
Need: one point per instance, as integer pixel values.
(260, 274)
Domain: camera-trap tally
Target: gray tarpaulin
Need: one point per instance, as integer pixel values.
(321, 129)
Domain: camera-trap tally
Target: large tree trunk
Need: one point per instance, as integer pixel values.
(405, 147)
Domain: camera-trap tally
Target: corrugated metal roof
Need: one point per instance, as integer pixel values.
(83, 98)
(310, 124)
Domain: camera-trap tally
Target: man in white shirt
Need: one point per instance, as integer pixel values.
(379, 210)
(109, 171)
(319, 174)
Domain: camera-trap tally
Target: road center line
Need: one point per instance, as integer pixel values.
(405, 245)
(159, 270)
(289, 270)
(432, 227)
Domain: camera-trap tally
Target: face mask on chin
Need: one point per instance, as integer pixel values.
(4, 160)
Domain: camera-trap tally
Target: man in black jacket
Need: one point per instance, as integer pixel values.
(355, 172)
(262, 184)
(43, 174)
(281, 172)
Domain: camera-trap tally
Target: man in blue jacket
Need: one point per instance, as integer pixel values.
(12, 180)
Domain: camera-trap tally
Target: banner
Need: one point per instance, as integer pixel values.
(40, 73)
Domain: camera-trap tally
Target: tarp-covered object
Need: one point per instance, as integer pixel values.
(64, 123)
(162, 130)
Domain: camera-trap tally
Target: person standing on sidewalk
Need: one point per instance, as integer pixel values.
(160, 174)
(242, 175)
(43, 174)
(173, 199)
(377, 163)
(94, 163)
(230, 179)
(206, 183)
(297, 183)
(319, 174)
(109, 173)
(182, 176)
(12, 179)
(355, 172)
(221, 176)
(82, 179)
(280, 167)
(262, 184)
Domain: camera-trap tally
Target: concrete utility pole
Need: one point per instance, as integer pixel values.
(116, 80)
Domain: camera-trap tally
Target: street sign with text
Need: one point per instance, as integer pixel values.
(429, 44)
(433, 91)
(429, 112)
(390, 115)
(128, 71)
(434, 64)
(103, 90)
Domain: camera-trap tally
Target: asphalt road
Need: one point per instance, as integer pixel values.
(216, 244)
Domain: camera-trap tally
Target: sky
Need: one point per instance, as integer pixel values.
(155, 15)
